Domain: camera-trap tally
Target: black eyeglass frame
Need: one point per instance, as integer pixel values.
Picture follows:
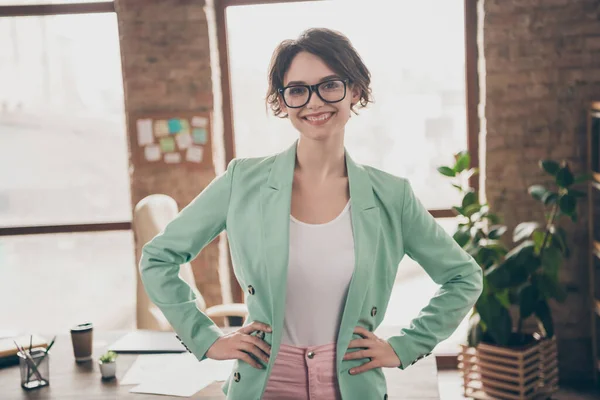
(314, 89)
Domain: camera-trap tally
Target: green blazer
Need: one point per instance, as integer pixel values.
(251, 200)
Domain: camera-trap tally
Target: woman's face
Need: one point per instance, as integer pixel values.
(317, 119)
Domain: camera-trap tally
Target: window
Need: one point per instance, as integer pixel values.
(416, 54)
(62, 122)
(64, 162)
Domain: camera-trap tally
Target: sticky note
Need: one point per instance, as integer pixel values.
(167, 144)
(184, 140)
(195, 154)
(185, 126)
(144, 132)
(174, 126)
(172, 158)
(199, 122)
(152, 152)
(199, 135)
(161, 128)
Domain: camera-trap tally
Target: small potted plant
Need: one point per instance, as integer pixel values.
(108, 366)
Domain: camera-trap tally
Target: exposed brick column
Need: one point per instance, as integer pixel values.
(542, 68)
(167, 68)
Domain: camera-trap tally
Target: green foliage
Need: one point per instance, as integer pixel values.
(108, 357)
(527, 276)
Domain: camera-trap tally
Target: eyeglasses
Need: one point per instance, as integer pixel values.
(330, 91)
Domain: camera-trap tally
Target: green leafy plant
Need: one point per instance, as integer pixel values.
(108, 357)
(479, 230)
(527, 277)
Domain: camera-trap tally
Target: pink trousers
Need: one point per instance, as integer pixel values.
(303, 373)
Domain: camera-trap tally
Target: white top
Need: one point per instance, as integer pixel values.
(320, 269)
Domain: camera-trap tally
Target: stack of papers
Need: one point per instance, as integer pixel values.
(174, 374)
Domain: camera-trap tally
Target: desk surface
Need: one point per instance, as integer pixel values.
(69, 380)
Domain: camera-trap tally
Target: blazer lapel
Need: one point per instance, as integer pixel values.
(276, 196)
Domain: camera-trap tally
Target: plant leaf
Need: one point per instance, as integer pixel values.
(549, 287)
(549, 166)
(469, 199)
(551, 261)
(567, 204)
(564, 177)
(457, 186)
(463, 161)
(542, 311)
(496, 318)
(577, 193)
(524, 230)
(496, 231)
(472, 209)
(583, 178)
(462, 236)
(447, 171)
(538, 239)
(528, 301)
(550, 198)
(538, 192)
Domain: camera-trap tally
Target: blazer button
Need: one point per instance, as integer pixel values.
(260, 335)
(251, 289)
(237, 377)
(373, 311)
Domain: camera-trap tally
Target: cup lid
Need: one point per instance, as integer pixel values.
(82, 327)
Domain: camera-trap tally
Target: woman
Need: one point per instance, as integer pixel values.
(316, 240)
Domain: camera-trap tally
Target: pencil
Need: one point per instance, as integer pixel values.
(28, 358)
(46, 350)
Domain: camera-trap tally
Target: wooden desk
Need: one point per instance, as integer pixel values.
(69, 380)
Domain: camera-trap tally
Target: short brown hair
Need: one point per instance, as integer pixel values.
(333, 48)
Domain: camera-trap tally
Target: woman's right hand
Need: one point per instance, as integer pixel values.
(240, 344)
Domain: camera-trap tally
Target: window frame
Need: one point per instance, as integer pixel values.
(38, 10)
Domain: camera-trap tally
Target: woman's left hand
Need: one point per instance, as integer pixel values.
(379, 351)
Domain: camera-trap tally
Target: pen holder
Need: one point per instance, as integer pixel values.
(33, 378)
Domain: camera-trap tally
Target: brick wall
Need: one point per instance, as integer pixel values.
(166, 65)
(542, 67)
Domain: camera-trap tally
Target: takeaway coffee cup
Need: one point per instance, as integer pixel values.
(81, 336)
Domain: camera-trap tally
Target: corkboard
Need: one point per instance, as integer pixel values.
(173, 139)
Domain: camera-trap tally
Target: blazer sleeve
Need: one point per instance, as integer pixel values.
(459, 275)
(183, 238)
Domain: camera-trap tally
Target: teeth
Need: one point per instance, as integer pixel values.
(319, 118)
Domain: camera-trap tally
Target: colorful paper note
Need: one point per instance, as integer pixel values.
(195, 154)
(174, 126)
(185, 126)
(152, 152)
(200, 122)
(172, 158)
(144, 132)
(184, 140)
(167, 144)
(199, 135)
(161, 128)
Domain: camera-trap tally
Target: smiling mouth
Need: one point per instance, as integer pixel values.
(321, 118)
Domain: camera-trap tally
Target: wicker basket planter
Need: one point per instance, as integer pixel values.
(495, 372)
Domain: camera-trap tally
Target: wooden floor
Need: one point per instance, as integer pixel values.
(450, 389)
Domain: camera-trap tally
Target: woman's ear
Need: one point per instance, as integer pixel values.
(355, 95)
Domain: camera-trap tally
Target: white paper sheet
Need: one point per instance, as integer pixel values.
(152, 152)
(199, 122)
(195, 154)
(175, 374)
(144, 131)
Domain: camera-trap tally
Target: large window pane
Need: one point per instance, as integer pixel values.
(415, 52)
(63, 148)
(50, 282)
